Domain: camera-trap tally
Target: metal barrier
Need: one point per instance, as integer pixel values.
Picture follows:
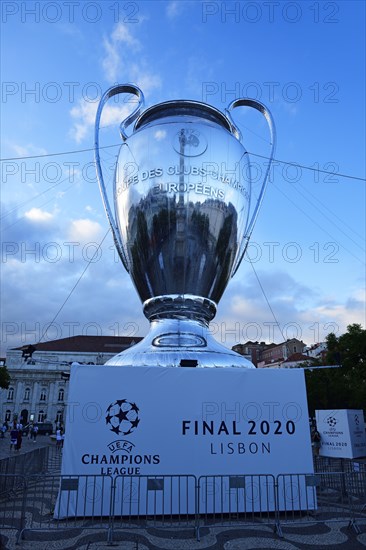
(236, 500)
(68, 502)
(54, 502)
(54, 460)
(142, 502)
(318, 497)
(32, 462)
(356, 487)
(323, 464)
(12, 501)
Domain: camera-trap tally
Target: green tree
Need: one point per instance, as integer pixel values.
(344, 387)
(352, 356)
(4, 377)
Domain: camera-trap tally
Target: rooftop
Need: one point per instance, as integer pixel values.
(297, 357)
(85, 344)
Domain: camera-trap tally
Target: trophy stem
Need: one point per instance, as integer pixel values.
(180, 306)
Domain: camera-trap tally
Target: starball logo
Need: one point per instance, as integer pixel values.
(333, 431)
(122, 417)
(332, 422)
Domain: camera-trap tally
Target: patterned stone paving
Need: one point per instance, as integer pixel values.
(311, 537)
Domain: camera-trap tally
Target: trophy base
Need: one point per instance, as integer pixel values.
(179, 343)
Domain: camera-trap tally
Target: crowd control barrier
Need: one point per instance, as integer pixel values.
(59, 503)
(33, 462)
(224, 501)
(155, 501)
(325, 497)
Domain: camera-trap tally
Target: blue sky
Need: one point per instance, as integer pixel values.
(304, 60)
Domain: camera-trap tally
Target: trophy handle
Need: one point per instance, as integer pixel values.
(115, 90)
(245, 102)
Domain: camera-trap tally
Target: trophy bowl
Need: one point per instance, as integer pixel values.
(182, 220)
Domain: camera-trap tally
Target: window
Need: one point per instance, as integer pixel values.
(59, 417)
(43, 396)
(26, 394)
(61, 393)
(8, 416)
(295, 349)
(41, 416)
(10, 394)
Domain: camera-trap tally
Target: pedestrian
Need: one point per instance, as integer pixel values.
(316, 441)
(34, 432)
(19, 440)
(3, 430)
(59, 438)
(13, 437)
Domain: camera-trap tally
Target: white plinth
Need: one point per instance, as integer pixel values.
(342, 433)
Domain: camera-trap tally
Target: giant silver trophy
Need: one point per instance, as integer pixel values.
(183, 219)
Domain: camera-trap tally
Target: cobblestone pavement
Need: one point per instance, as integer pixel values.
(309, 535)
(313, 536)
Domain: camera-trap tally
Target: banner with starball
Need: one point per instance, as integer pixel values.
(144, 421)
(342, 433)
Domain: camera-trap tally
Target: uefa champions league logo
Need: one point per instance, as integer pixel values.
(332, 422)
(122, 417)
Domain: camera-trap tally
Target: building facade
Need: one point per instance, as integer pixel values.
(272, 355)
(317, 351)
(252, 350)
(39, 374)
(276, 354)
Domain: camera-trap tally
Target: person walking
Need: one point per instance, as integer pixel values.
(59, 439)
(19, 439)
(35, 432)
(316, 441)
(3, 430)
(30, 431)
(13, 437)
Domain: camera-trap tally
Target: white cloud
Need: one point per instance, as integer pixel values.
(174, 9)
(85, 230)
(146, 80)
(120, 64)
(122, 34)
(84, 114)
(343, 314)
(112, 62)
(244, 314)
(38, 215)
